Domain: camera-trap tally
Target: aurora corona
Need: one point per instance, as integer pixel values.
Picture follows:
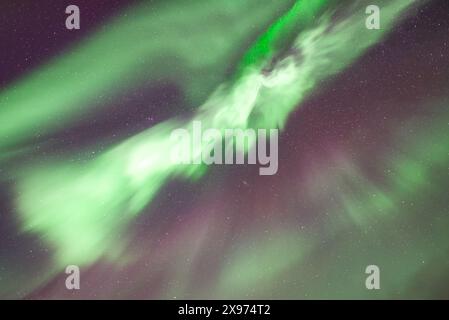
(347, 123)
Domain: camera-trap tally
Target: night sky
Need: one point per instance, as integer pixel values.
(363, 174)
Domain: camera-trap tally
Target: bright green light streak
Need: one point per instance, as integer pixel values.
(81, 210)
(149, 42)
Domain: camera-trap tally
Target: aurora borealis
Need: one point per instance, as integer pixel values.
(85, 123)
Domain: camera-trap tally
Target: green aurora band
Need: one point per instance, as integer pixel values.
(83, 209)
